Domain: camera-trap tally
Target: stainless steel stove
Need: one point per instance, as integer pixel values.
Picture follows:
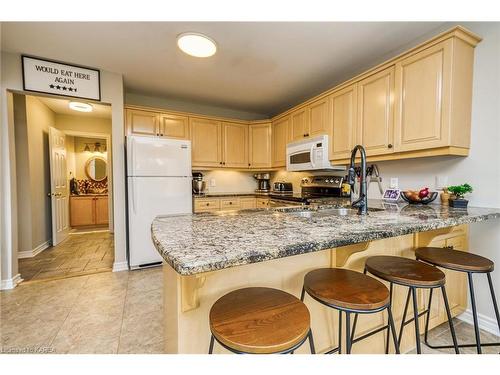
(314, 187)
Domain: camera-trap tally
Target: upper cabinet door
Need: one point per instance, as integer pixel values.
(235, 145)
(174, 126)
(423, 99)
(375, 113)
(320, 117)
(205, 142)
(259, 145)
(344, 122)
(142, 122)
(280, 137)
(299, 124)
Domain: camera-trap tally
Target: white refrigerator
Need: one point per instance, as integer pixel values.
(158, 183)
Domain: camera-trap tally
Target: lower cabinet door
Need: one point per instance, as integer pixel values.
(81, 211)
(101, 210)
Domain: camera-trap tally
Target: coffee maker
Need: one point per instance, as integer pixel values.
(263, 185)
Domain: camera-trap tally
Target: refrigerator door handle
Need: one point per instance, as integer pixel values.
(132, 187)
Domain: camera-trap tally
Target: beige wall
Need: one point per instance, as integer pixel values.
(32, 122)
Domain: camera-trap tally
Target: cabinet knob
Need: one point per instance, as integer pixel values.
(389, 145)
(249, 164)
(208, 204)
(157, 134)
(224, 163)
(220, 163)
(230, 202)
(161, 134)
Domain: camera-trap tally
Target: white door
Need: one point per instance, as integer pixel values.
(158, 157)
(58, 186)
(150, 197)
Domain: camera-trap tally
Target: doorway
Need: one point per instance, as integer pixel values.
(63, 163)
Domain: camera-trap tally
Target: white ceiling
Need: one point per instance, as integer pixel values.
(259, 67)
(61, 106)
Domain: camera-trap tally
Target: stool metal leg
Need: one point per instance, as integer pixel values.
(405, 311)
(393, 330)
(302, 294)
(211, 347)
(348, 332)
(388, 328)
(428, 315)
(311, 342)
(415, 316)
(340, 332)
(450, 319)
(495, 305)
(474, 313)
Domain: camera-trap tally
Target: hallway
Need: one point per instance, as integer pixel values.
(80, 254)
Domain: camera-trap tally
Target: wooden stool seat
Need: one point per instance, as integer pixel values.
(454, 259)
(346, 289)
(259, 320)
(405, 271)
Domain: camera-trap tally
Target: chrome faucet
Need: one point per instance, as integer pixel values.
(362, 202)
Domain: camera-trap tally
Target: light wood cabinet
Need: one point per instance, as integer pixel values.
(259, 142)
(206, 142)
(320, 117)
(344, 112)
(423, 98)
(235, 145)
(88, 210)
(262, 202)
(101, 210)
(299, 124)
(232, 203)
(248, 203)
(174, 126)
(376, 113)
(280, 137)
(142, 123)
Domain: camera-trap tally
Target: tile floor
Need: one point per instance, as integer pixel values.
(79, 254)
(110, 312)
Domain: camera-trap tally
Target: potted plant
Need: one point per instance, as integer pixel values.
(458, 191)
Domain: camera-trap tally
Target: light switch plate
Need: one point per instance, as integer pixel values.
(212, 182)
(394, 183)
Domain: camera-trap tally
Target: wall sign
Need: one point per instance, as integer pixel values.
(56, 78)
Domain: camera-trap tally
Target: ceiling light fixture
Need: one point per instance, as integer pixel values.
(80, 107)
(196, 44)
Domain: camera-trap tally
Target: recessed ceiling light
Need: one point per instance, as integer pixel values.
(81, 107)
(196, 44)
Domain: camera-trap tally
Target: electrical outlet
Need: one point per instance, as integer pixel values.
(441, 182)
(394, 182)
(212, 182)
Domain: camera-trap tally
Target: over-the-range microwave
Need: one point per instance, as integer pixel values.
(309, 155)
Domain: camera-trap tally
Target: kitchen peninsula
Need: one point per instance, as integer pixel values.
(210, 254)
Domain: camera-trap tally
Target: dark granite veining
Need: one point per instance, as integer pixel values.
(205, 242)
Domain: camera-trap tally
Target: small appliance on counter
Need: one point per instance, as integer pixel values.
(263, 185)
(282, 188)
(198, 183)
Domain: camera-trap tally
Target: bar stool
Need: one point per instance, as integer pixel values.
(349, 292)
(260, 321)
(462, 262)
(414, 275)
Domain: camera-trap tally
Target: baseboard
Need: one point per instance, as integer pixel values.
(37, 250)
(485, 322)
(10, 283)
(120, 266)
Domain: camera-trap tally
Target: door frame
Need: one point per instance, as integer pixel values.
(109, 167)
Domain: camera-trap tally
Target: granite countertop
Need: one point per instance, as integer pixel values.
(199, 243)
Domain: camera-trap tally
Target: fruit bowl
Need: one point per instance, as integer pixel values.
(410, 198)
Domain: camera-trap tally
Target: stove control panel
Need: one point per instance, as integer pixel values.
(322, 181)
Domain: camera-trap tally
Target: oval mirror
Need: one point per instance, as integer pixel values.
(97, 168)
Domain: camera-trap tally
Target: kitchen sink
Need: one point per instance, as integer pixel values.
(342, 211)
